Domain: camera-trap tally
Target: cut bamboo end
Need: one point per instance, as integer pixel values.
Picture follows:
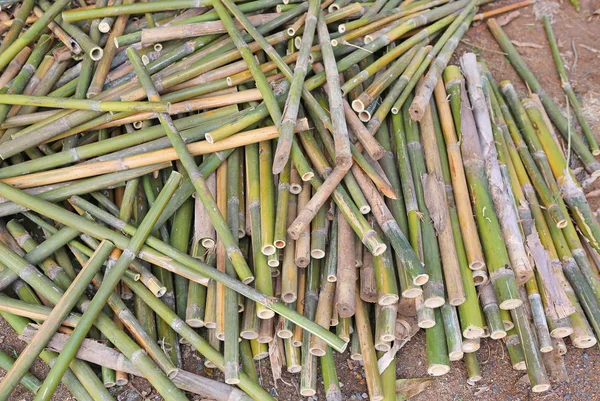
(520, 366)
(457, 356)
(562, 224)
(288, 297)
(388, 338)
(195, 323)
(547, 348)
(456, 301)
(561, 332)
(248, 334)
(104, 27)
(307, 392)
(156, 287)
(285, 334)
(388, 299)
(477, 265)
(480, 277)
(316, 351)
(333, 7)
(583, 342)
(364, 116)
(265, 314)
(280, 244)
(208, 243)
(511, 304)
(358, 105)
(426, 323)
(294, 369)
(412, 293)
(434, 302)
(498, 334)
(365, 209)
(122, 381)
(596, 152)
(540, 388)
(473, 332)
(438, 370)
(96, 53)
(268, 250)
(317, 254)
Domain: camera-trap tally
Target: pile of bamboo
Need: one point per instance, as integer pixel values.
(266, 179)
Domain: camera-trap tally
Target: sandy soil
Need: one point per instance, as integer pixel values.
(579, 37)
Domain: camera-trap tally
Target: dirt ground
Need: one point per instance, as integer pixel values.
(579, 39)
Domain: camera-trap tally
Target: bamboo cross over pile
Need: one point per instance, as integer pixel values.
(284, 180)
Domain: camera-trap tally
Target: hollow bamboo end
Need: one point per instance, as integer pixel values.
(388, 299)
(208, 243)
(316, 351)
(158, 47)
(382, 347)
(302, 261)
(498, 334)
(333, 7)
(434, 302)
(456, 301)
(209, 138)
(334, 42)
(317, 253)
(511, 304)
(285, 334)
(307, 176)
(426, 324)
(562, 223)
(307, 392)
(249, 334)
(96, 53)
(288, 297)
(480, 277)
(265, 314)
(280, 244)
(412, 292)
(474, 379)
(379, 249)
(368, 39)
(508, 325)
(596, 152)
(268, 250)
(364, 116)
(456, 355)
(291, 32)
(473, 332)
(438, 370)
(545, 349)
(137, 124)
(195, 323)
(477, 265)
(122, 381)
(584, 342)
(145, 59)
(331, 278)
(232, 380)
(395, 110)
(416, 112)
(540, 388)
(358, 105)
(561, 332)
(248, 280)
(156, 288)
(295, 189)
(342, 28)
(294, 369)
(274, 263)
(388, 338)
(365, 209)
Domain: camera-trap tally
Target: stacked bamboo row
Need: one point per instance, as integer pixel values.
(302, 177)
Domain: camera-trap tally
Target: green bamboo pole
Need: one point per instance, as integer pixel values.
(490, 233)
(267, 199)
(331, 383)
(408, 288)
(126, 9)
(281, 211)
(199, 183)
(19, 21)
(502, 203)
(30, 34)
(82, 104)
(29, 381)
(570, 188)
(438, 362)
(262, 271)
(582, 151)
(50, 325)
(434, 289)
(73, 383)
(566, 85)
(106, 289)
(450, 37)
(231, 351)
(180, 238)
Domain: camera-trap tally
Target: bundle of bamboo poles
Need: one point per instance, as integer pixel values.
(282, 179)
